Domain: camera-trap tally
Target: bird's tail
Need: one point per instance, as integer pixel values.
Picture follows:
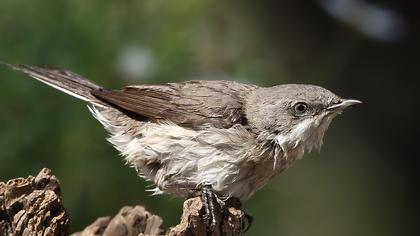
(63, 80)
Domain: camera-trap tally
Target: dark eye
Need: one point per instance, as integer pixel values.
(300, 108)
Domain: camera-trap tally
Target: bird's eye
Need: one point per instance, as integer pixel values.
(300, 108)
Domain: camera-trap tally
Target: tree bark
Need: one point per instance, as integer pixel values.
(33, 206)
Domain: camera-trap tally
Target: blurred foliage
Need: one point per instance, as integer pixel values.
(354, 187)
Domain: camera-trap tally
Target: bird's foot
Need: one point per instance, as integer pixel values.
(211, 206)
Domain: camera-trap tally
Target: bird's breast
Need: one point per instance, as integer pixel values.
(178, 160)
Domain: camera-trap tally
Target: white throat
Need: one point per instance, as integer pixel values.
(305, 136)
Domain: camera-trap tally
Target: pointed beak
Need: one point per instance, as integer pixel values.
(344, 103)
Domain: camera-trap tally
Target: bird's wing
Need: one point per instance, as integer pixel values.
(193, 104)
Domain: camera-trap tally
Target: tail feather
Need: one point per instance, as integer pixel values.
(63, 80)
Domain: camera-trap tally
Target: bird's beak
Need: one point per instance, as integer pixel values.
(344, 103)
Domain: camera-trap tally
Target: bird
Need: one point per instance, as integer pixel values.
(217, 138)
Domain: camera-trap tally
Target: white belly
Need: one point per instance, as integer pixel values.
(180, 160)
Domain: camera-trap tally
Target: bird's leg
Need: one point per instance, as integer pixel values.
(209, 200)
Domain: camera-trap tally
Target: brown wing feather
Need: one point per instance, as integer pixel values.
(192, 104)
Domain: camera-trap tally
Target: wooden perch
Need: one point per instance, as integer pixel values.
(33, 206)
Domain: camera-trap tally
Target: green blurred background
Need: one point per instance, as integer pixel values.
(363, 182)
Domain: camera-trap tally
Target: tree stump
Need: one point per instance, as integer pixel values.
(33, 206)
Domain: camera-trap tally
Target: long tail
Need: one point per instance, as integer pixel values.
(63, 80)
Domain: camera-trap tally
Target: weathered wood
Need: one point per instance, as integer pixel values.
(33, 206)
(230, 220)
(129, 221)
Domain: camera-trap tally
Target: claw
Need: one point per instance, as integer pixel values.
(212, 205)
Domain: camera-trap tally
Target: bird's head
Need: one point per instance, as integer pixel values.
(295, 115)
